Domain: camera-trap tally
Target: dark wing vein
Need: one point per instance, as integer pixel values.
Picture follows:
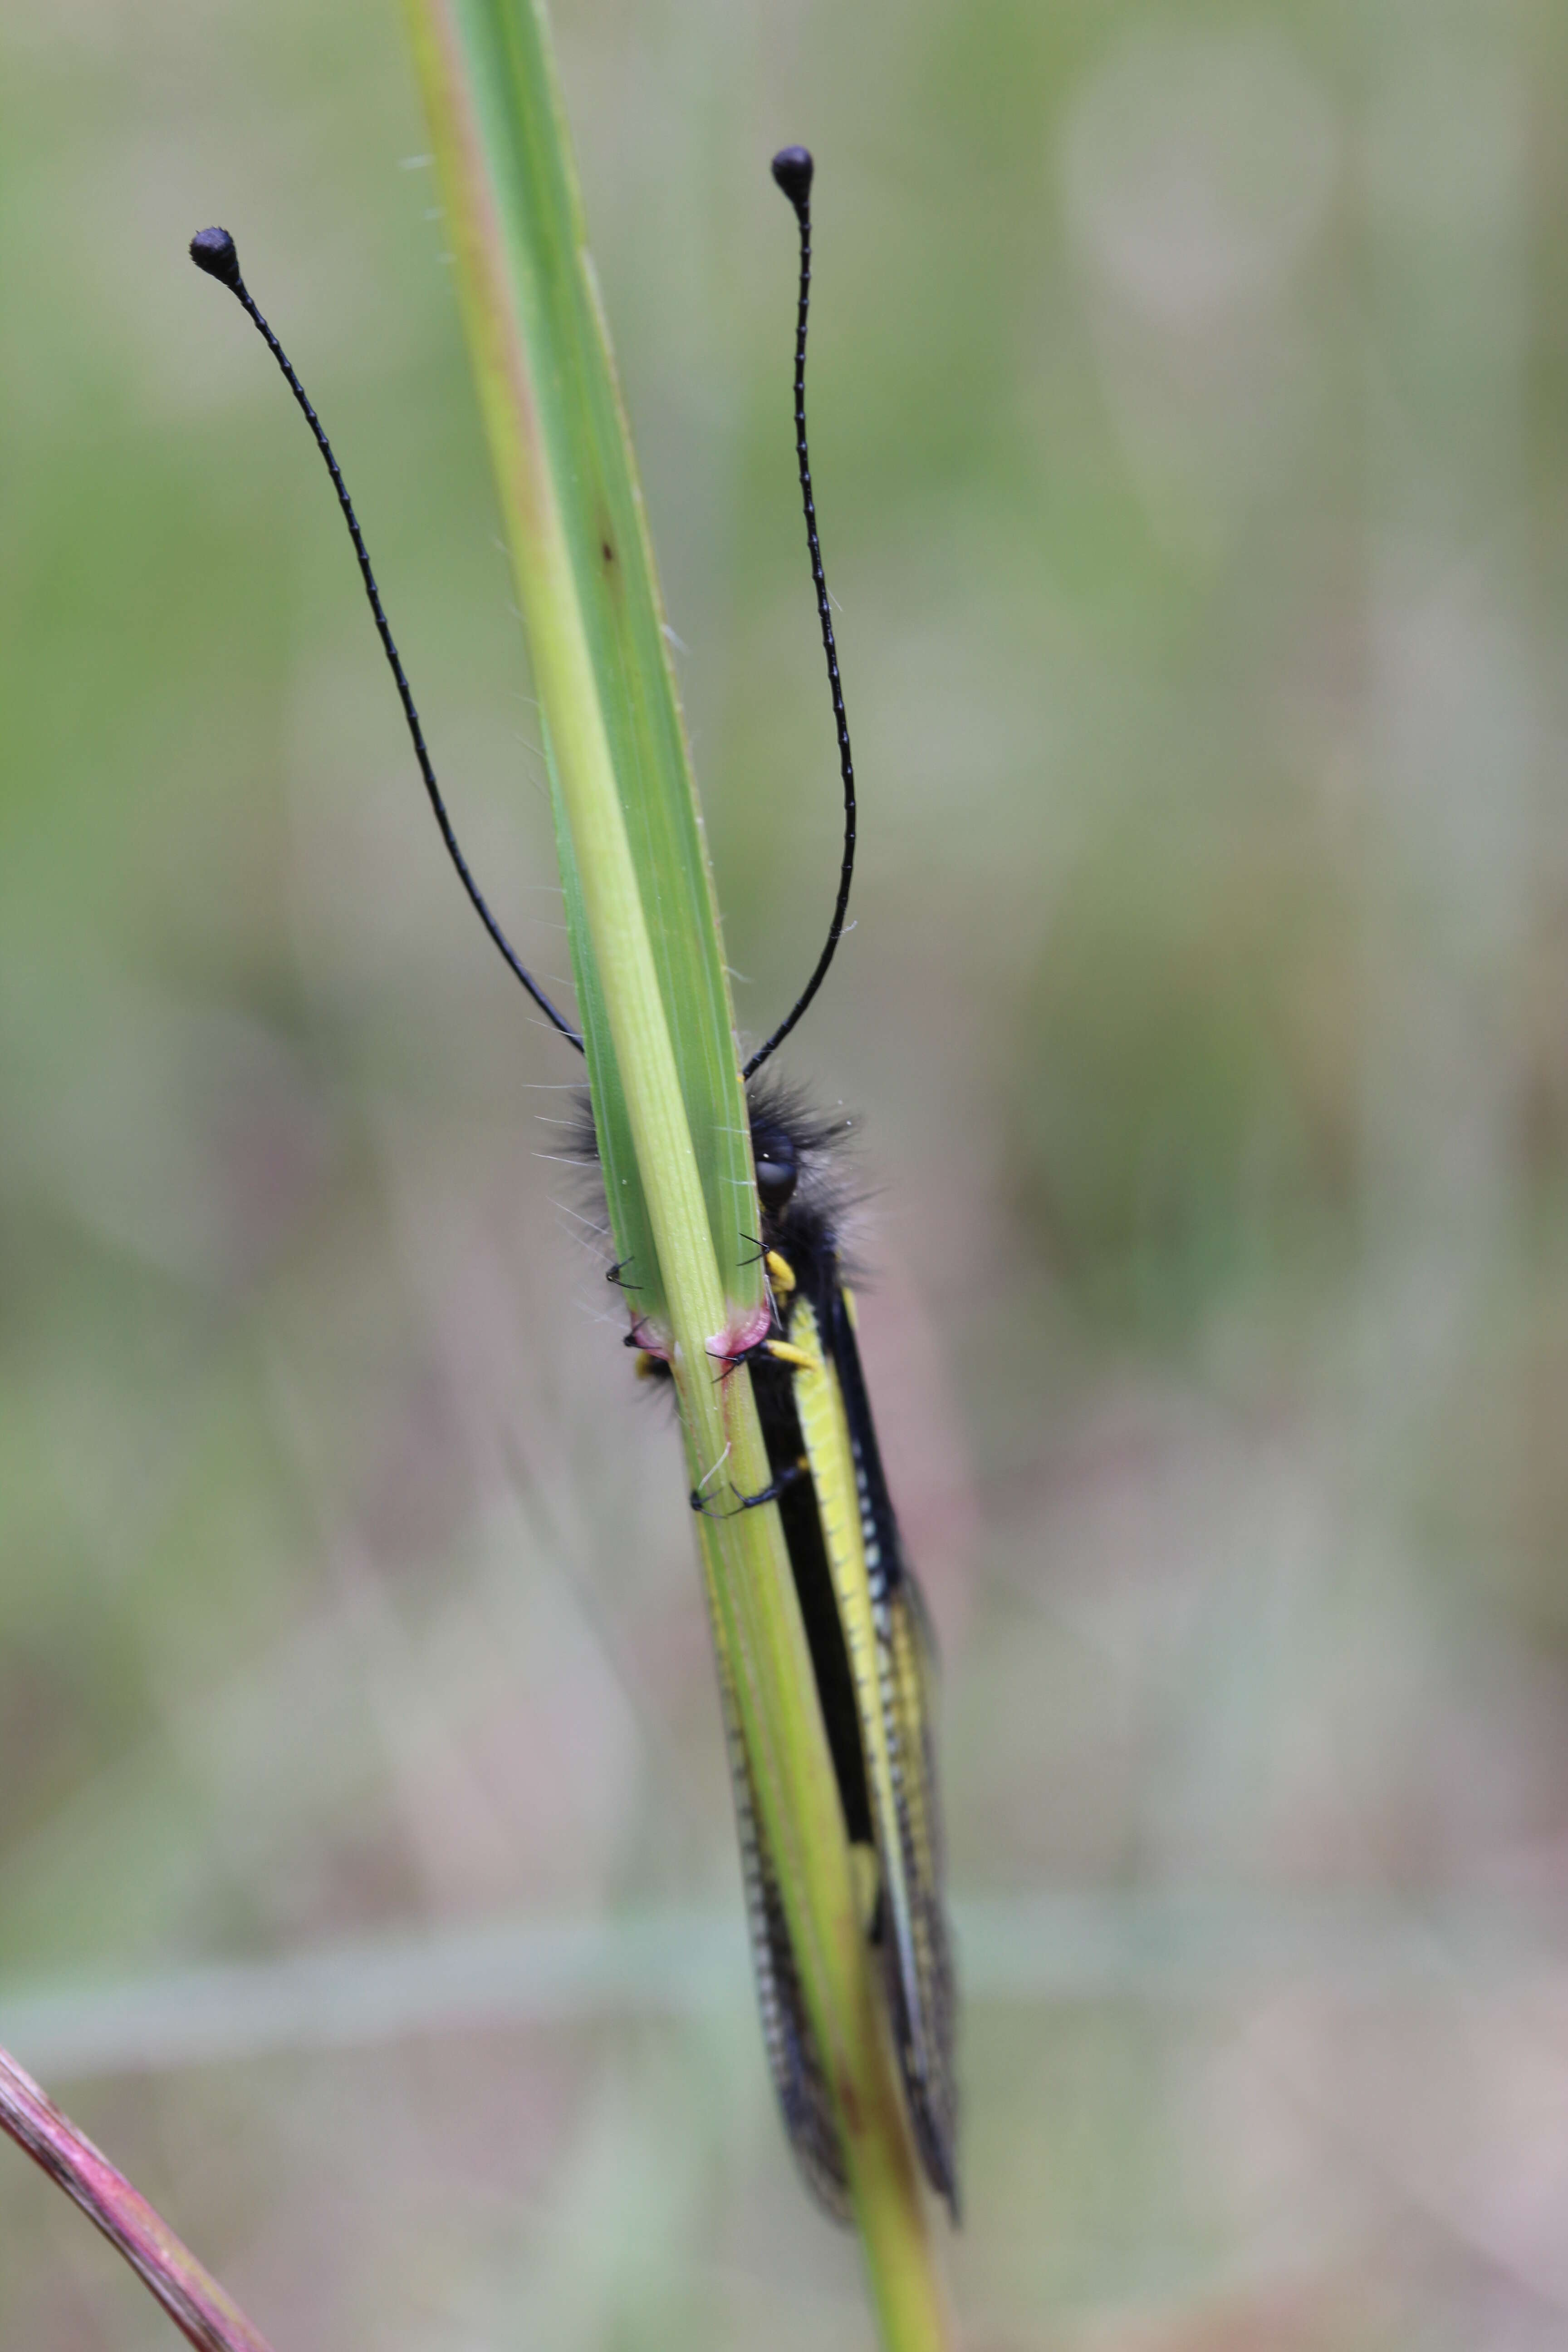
(793, 2062)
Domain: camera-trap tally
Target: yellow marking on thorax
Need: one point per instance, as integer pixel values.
(780, 1272)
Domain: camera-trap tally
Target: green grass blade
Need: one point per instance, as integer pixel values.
(668, 1098)
(573, 502)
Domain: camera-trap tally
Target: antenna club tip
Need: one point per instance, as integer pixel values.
(214, 250)
(793, 168)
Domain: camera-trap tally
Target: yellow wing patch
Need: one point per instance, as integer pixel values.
(868, 1637)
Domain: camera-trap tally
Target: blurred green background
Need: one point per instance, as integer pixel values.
(1188, 405)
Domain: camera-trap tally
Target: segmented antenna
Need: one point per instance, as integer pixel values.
(213, 249)
(792, 168)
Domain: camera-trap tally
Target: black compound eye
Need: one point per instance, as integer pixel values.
(777, 1169)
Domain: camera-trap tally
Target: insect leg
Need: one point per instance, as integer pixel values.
(769, 1494)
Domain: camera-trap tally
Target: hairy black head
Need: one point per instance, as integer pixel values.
(802, 1184)
(802, 1181)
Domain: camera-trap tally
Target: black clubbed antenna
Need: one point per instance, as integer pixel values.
(213, 249)
(793, 168)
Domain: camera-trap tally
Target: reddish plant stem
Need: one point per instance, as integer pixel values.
(196, 2303)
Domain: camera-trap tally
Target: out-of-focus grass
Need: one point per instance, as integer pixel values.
(1187, 402)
